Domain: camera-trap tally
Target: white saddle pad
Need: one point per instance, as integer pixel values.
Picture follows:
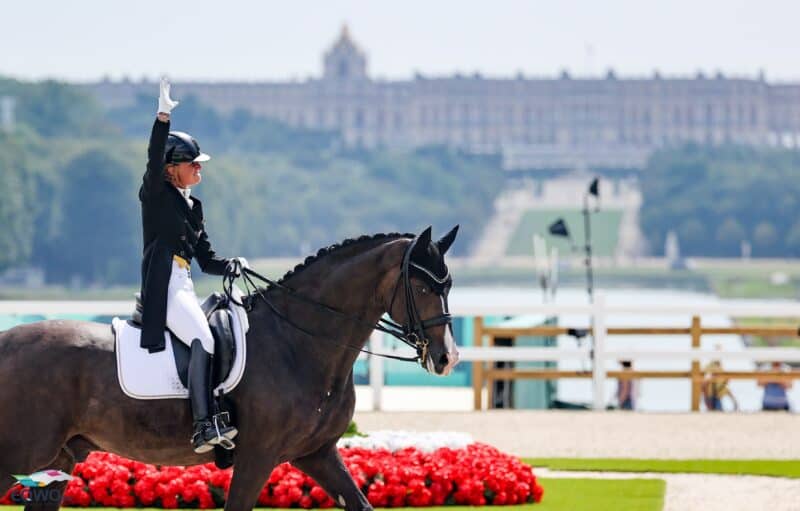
(145, 375)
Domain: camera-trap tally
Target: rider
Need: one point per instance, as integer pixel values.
(172, 220)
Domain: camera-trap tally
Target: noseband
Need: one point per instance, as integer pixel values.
(412, 332)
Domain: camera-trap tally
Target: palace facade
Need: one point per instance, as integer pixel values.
(535, 123)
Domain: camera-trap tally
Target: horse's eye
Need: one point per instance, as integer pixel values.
(423, 290)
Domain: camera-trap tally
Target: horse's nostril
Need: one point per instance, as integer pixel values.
(443, 360)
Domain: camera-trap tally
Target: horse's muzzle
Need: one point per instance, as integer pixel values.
(443, 364)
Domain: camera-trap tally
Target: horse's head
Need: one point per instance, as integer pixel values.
(419, 301)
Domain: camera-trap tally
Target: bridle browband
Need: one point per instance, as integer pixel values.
(411, 333)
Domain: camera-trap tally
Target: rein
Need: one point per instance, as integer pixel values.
(412, 334)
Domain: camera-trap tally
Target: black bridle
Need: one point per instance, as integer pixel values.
(412, 333)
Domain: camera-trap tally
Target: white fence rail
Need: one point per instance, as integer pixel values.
(496, 354)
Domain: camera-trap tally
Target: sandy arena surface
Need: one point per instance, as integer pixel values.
(636, 435)
(611, 434)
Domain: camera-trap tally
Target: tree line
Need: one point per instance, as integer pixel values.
(70, 174)
(719, 199)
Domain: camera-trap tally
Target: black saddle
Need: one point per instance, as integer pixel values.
(215, 307)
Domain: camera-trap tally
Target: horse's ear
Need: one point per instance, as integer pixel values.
(423, 241)
(444, 243)
(425, 238)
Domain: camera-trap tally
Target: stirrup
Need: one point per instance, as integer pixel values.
(225, 443)
(223, 439)
(222, 421)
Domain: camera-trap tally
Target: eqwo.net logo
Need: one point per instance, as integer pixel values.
(34, 487)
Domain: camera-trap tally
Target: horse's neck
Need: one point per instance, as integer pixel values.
(353, 286)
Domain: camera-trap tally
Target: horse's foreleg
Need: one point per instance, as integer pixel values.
(327, 468)
(251, 469)
(6, 482)
(64, 462)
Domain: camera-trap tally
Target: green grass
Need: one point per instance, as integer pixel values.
(775, 468)
(600, 495)
(751, 287)
(605, 231)
(562, 495)
(575, 276)
(751, 279)
(771, 341)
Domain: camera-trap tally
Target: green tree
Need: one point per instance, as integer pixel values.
(793, 239)
(692, 232)
(764, 237)
(56, 109)
(730, 232)
(98, 237)
(16, 234)
(270, 189)
(734, 192)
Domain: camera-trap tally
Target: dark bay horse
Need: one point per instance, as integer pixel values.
(60, 397)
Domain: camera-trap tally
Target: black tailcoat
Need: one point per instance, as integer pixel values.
(170, 228)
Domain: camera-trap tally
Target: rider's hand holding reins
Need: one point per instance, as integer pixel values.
(236, 265)
(165, 103)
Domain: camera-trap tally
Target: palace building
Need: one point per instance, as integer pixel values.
(534, 123)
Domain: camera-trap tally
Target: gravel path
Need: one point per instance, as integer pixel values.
(636, 435)
(611, 434)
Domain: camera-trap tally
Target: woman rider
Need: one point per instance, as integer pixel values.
(172, 220)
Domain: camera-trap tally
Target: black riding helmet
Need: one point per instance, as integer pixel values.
(182, 147)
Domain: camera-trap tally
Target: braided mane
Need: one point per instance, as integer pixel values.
(349, 242)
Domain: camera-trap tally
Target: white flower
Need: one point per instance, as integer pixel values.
(396, 440)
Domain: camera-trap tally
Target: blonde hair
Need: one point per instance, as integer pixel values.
(168, 176)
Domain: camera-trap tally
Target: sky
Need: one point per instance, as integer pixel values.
(271, 40)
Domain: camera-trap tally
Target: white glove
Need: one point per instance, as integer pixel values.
(243, 264)
(165, 103)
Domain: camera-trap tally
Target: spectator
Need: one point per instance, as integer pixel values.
(775, 398)
(715, 388)
(627, 389)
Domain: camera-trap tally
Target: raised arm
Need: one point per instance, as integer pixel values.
(153, 181)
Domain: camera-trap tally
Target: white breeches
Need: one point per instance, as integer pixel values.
(185, 318)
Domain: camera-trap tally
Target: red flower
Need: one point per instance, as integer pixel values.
(317, 493)
(476, 475)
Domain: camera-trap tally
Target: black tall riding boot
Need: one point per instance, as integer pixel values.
(206, 433)
(197, 384)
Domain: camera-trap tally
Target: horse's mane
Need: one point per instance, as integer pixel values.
(349, 242)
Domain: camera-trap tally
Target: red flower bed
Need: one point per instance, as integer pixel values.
(476, 475)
